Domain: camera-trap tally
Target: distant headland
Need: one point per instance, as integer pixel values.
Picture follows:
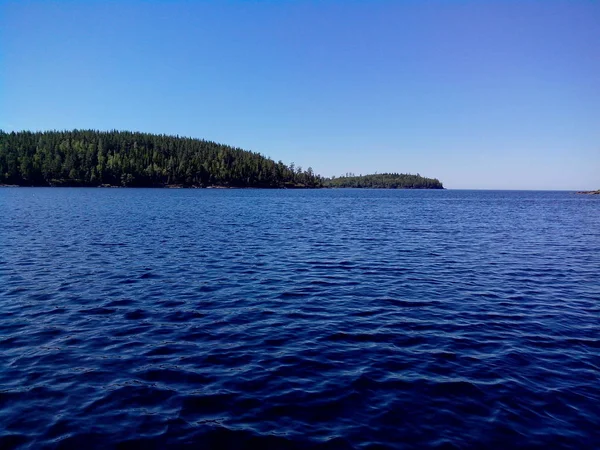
(589, 192)
(91, 158)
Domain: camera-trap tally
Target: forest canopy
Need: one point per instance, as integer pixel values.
(384, 181)
(123, 158)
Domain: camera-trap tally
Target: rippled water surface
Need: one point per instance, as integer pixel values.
(299, 319)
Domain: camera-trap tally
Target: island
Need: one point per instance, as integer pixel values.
(91, 158)
(384, 181)
(589, 192)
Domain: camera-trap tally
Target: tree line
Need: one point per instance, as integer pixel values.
(122, 158)
(384, 181)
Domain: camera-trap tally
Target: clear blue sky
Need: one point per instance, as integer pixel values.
(482, 94)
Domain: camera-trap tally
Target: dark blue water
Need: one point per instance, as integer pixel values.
(358, 319)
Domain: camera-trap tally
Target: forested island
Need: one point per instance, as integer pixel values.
(121, 158)
(129, 159)
(384, 181)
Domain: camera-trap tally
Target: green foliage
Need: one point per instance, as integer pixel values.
(121, 158)
(384, 181)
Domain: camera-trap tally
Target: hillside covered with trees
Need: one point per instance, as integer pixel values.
(384, 181)
(120, 158)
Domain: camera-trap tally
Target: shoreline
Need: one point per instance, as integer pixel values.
(176, 186)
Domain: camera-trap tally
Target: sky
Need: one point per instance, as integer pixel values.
(479, 94)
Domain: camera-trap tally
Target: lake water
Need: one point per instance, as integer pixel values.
(363, 319)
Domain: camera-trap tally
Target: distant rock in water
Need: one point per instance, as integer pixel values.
(590, 192)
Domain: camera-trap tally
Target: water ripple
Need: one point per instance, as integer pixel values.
(339, 319)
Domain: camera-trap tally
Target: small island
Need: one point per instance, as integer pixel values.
(91, 158)
(589, 192)
(384, 181)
